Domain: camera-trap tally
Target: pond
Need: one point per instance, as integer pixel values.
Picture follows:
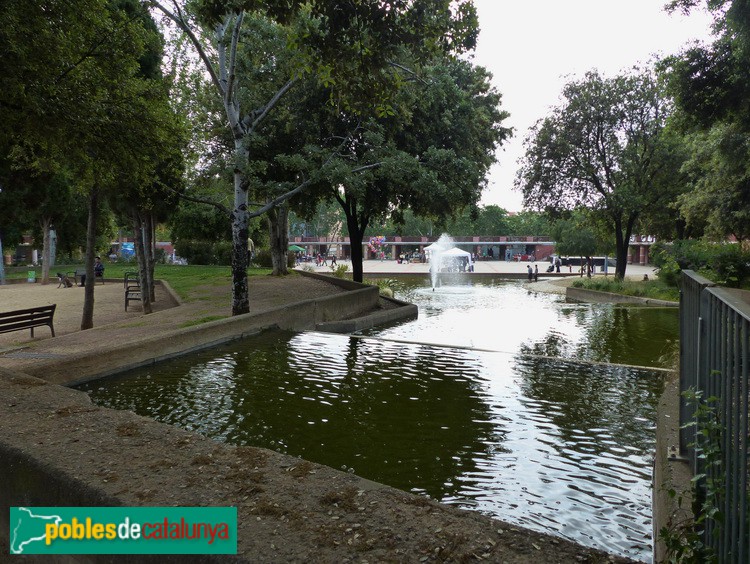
(496, 399)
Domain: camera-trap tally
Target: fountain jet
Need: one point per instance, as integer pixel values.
(437, 249)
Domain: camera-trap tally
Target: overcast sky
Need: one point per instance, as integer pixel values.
(533, 47)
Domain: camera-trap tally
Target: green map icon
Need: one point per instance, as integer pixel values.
(27, 527)
(123, 530)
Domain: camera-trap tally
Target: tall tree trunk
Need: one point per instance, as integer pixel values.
(149, 247)
(141, 258)
(87, 319)
(46, 249)
(2, 262)
(356, 233)
(278, 230)
(240, 235)
(356, 226)
(622, 242)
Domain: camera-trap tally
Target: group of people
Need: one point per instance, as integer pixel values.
(66, 282)
(533, 274)
(322, 260)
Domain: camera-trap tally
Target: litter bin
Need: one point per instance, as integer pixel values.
(32, 276)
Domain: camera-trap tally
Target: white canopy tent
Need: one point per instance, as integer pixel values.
(456, 252)
(457, 260)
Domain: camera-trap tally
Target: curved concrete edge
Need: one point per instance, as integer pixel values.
(344, 283)
(672, 478)
(104, 359)
(170, 291)
(595, 296)
(402, 312)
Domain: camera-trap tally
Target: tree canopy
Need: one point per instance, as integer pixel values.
(429, 156)
(351, 49)
(711, 88)
(602, 148)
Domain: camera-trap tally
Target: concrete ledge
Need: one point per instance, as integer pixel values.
(401, 311)
(168, 289)
(134, 352)
(344, 283)
(672, 479)
(595, 296)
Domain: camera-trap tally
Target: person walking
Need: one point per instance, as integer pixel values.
(531, 273)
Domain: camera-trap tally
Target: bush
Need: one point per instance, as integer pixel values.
(205, 252)
(160, 256)
(385, 286)
(263, 259)
(724, 263)
(731, 265)
(654, 289)
(340, 270)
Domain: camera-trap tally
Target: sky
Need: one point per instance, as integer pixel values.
(534, 47)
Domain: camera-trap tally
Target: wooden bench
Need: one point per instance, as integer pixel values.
(77, 274)
(132, 288)
(28, 319)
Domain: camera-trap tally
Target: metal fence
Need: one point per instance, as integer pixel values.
(714, 348)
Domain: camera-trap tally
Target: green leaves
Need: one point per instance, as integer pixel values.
(603, 149)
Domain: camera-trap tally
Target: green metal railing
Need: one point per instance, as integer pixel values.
(714, 349)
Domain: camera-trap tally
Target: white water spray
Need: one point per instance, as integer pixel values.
(437, 249)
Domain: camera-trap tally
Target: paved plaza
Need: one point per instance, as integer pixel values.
(392, 267)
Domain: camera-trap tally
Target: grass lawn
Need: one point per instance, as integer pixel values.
(654, 289)
(184, 279)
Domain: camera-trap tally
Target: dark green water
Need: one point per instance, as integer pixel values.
(467, 413)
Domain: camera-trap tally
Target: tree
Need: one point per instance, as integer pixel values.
(528, 223)
(718, 203)
(488, 220)
(491, 220)
(431, 156)
(75, 97)
(711, 88)
(350, 47)
(602, 148)
(119, 150)
(574, 236)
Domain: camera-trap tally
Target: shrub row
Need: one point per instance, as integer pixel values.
(263, 259)
(220, 253)
(727, 264)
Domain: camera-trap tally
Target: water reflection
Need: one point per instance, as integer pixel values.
(508, 316)
(555, 445)
(628, 334)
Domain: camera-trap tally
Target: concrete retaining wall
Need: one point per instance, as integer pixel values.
(672, 478)
(594, 296)
(299, 316)
(400, 311)
(53, 452)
